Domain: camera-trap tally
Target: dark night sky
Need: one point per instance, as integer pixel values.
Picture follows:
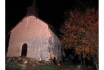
(51, 11)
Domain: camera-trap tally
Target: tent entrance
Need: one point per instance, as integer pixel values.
(24, 50)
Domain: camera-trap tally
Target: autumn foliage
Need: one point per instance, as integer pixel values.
(80, 31)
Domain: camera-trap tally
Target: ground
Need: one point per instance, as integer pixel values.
(46, 67)
(13, 66)
(22, 63)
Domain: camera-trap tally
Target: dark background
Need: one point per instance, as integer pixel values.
(51, 11)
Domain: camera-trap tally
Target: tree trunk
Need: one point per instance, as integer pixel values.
(95, 61)
(83, 62)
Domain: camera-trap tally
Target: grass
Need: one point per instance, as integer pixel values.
(13, 66)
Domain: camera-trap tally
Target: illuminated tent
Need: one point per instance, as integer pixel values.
(34, 38)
